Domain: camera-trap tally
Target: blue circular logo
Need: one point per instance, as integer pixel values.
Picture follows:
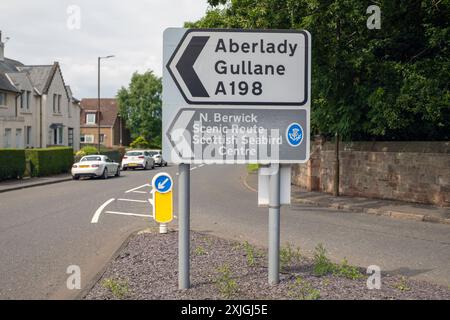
(294, 134)
(163, 183)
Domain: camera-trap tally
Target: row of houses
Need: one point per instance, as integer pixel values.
(38, 110)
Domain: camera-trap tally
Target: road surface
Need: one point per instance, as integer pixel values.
(44, 230)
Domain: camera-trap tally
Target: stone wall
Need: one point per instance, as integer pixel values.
(409, 171)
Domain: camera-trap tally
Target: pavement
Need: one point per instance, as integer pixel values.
(46, 229)
(24, 183)
(380, 207)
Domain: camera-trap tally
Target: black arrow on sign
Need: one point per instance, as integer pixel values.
(185, 67)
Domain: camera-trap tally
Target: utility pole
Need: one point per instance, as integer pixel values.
(98, 100)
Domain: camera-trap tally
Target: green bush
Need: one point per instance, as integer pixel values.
(12, 163)
(85, 151)
(49, 161)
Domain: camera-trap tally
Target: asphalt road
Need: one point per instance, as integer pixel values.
(44, 230)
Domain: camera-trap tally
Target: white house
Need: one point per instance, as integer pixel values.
(37, 108)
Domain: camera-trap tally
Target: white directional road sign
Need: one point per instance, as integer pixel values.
(218, 135)
(242, 67)
(236, 96)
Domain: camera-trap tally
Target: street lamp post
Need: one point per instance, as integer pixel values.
(98, 100)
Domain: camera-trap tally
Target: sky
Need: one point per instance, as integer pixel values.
(76, 32)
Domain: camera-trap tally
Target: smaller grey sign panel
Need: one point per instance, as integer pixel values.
(239, 136)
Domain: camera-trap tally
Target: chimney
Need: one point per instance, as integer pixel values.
(2, 48)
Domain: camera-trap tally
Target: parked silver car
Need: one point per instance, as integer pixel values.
(157, 156)
(137, 159)
(95, 166)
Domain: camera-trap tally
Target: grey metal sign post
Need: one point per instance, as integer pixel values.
(236, 97)
(274, 225)
(184, 218)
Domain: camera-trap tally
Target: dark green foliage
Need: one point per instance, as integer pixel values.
(387, 84)
(113, 155)
(12, 163)
(49, 161)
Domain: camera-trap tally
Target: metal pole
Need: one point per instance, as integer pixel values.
(184, 226)
(98, 105)
(274, 224)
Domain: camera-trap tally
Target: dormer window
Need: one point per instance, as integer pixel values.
(90, 118)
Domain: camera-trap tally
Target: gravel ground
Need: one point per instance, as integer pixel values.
(220, 269)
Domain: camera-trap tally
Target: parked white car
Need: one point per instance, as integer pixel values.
(95, 166)
(157, 156)
(137, 159)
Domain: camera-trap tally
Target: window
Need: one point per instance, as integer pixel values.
(28, 136)
(7, 140)
(60, 135)
(91, 158)
(54, 103)
(28, 100)
(22, 98)
(134, 153)
(3, 99)
(70, 137)
(87, 138)
(90, 118)
(25, 100)
(56, 135)
(102, 138)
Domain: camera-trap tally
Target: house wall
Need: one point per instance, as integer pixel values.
(31, 115)
(9, 120)
(49, 117)
(409, 171)
(74, 122)
(108, 132)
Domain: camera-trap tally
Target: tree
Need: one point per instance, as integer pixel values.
(140, 143)
(387, 84)
(140, 106)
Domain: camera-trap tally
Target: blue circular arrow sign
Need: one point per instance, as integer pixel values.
(294, 134)
(162, 182)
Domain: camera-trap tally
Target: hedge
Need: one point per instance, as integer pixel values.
(44, 162)
(115, 154)
(12, 163)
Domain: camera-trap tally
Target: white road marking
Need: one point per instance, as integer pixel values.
(134, 189)
(99, 211)
(150, 201)
(139, 192)
(132, 200)
(202, 165)
(193, 168)
(129, 214)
